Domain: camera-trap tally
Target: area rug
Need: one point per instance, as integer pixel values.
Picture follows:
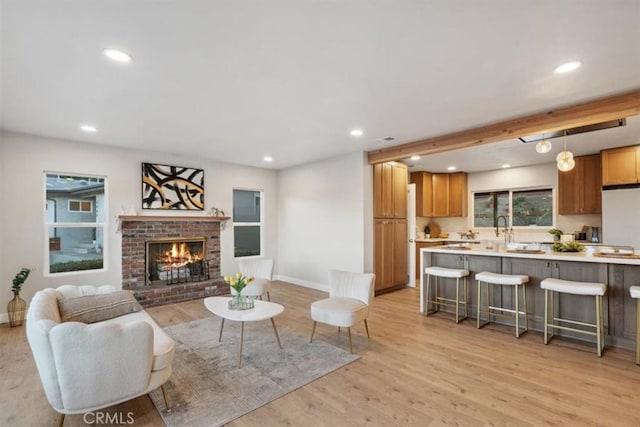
(208, 389)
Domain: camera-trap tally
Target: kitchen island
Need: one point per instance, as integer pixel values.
(618, 272)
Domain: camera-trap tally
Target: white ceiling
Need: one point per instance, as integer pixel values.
(237, 80)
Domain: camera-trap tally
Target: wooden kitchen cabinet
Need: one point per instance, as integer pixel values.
(580, 189)
(424, 192)
(391, 236)
(458, 194)
(390, 190)
(440, 189)
(621, 166)
(390, 254)
(440, 194)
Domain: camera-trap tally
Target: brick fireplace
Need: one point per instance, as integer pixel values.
(138, 231)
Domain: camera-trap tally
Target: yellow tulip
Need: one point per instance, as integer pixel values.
(227, 279)
(249, 279)
(239, 275)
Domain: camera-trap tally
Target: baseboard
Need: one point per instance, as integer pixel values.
(305, 283)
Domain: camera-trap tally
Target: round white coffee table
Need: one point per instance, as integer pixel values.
(262, 310)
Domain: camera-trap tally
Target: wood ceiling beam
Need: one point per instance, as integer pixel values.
(610, 108)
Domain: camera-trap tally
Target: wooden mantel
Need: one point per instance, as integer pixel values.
(173, 218)
(158, 218)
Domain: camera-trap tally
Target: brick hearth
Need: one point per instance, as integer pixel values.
(136, 230)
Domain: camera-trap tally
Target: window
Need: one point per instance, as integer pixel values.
(247, 223)
(75, 219)
(80, 206)
(521, 208)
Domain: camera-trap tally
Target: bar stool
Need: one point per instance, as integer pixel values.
(596, 290)
(515, 281)
(635, 293)
(451, 273)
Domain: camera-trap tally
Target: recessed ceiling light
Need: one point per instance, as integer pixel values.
(567, 67)
(117, 55)
(506, 166)
(356, 132)
(415, 157)
(451, 168)
(268, 159)
(88, 128)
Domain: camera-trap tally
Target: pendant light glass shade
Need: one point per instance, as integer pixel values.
(566, 164)
(565, 159)
(543, 146)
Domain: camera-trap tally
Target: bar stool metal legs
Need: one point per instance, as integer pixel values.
(517, 282)
(596, 290)
(437, 301)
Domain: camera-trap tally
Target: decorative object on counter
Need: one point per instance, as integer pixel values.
(556, 233)
(427, 232)
(16, 308)
(434, 229)
(443, 235)
(238, 283)
(616, 253)
(566, 238)
(571, 246)
(595, 234)
(471, 235)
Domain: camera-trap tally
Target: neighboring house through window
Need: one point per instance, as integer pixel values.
(75, 220)
(247, 223)
(520, 208)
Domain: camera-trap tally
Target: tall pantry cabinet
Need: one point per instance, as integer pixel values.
(390, 182)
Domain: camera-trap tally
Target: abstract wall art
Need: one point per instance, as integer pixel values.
(172, 187)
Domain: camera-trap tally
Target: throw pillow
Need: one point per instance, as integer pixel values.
(95, 308)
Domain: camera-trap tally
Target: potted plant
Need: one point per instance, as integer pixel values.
(556, 233)
(17, 306)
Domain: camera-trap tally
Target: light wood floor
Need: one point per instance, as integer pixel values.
(413, 371)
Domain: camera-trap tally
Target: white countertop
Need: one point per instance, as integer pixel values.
(586, 256)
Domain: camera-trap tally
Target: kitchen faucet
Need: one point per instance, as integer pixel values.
(506, 229)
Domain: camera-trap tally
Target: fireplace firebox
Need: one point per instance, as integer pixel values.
(176, 260)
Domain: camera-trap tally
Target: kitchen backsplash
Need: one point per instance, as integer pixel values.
(566, 223)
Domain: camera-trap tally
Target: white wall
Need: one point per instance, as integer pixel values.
(543, 175)
(325, 219)
(23, 158)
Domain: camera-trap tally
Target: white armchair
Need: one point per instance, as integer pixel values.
(348, 302)
(85, 367)
(262, 271)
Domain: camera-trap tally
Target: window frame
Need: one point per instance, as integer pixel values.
(80, 202)
(511, 191)
(51, 226)
(259, 224)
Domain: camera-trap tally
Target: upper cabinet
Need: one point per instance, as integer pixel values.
(440, 194)
(580, 189)
(621, 166)
(390, 190)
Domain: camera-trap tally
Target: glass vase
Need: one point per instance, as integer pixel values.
(240, 302)
(16, 309)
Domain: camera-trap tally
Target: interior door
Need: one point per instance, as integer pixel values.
(411, 225)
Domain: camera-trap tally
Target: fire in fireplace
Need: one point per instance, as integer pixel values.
(170, 261)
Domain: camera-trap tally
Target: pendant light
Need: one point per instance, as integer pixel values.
(565, 159)
(543, 146)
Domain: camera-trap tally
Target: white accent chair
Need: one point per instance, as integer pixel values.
(262, 271)
(348, 302)
(86, 367)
